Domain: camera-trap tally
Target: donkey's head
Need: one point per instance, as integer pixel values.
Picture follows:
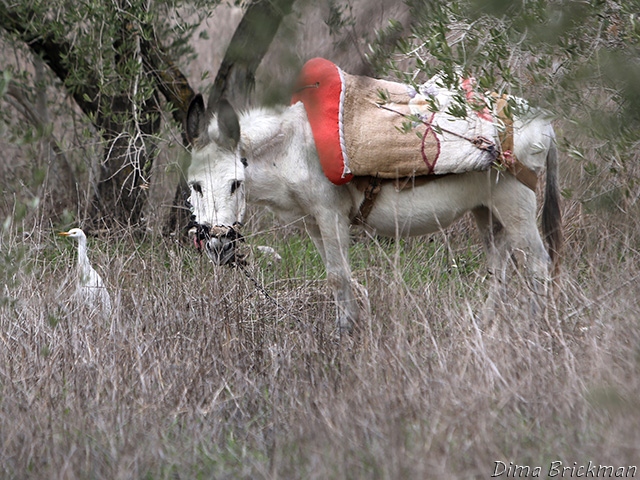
(216, 179)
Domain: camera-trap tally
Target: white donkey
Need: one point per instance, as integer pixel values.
(269, 157)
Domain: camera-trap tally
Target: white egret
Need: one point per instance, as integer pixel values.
(91, 289)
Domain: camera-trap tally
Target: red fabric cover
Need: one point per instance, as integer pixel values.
(319, 88)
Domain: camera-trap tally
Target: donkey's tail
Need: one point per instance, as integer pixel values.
(551, 215)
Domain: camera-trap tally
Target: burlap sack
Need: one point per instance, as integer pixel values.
(378, 143)
(375, 138)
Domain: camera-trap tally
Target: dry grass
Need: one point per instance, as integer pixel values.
(198, 375)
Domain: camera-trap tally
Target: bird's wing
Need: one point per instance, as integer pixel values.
(90, 278)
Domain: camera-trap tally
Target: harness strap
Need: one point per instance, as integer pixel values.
(371, 187)
(507, 158)
(523, 174)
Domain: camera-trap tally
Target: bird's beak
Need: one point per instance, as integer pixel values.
(63, 234)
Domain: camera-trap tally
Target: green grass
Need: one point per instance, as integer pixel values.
(419, 261)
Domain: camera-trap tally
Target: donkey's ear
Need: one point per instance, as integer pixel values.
(195, 122)
(228, 125)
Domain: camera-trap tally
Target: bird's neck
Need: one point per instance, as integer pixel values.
(83, 259)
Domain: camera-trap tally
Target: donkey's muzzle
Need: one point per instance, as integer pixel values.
(219, 242)
(199, 234)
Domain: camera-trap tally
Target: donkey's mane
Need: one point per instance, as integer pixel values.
(259, 115)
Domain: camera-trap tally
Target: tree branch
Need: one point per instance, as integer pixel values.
(236, 77)
(51, 51)
(171, 82)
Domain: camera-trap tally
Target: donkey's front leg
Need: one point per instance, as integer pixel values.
(332, 240)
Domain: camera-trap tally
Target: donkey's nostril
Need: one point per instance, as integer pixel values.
(204, 232)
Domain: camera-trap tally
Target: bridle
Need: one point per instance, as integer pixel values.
(229, 236)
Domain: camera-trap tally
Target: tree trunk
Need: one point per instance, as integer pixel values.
(235, 79)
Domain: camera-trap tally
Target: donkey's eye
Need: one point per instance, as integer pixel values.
(235, 185)
(197, 188)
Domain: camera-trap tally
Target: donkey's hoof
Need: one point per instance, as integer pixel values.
(344, 339)
(346, 328)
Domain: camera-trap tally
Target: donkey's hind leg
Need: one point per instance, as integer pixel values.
(530, 255)
(517, 210)
(510, 233)
(495, 244)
